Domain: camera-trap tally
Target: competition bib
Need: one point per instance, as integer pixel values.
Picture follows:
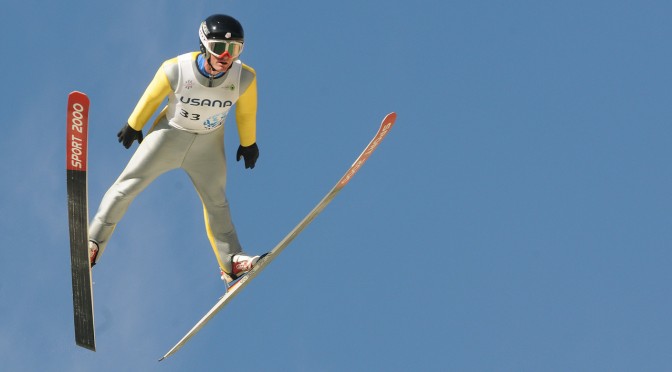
(197, 108)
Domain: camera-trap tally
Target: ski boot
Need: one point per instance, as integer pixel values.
(241, 264)
(93, 252)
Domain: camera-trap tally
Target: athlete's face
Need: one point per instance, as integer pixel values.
(221, 64)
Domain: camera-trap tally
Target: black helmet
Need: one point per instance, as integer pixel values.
(220, 27)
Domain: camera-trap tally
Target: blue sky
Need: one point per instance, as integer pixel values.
(517, 217)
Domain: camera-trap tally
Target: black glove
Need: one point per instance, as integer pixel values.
(127, 135)
(250, 153)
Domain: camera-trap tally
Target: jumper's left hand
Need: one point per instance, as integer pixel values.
(250, 153)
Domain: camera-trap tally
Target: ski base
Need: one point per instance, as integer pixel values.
(232, 291)
(78, 216)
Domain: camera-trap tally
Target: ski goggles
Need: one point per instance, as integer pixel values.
(219, 48)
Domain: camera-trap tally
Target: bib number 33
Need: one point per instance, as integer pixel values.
(190, 116)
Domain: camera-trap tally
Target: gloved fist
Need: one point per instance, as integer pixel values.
(250, 153)
(127, 135)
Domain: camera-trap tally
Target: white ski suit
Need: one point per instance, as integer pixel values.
(187, 134)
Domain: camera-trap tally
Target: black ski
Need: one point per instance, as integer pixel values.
(78, 217)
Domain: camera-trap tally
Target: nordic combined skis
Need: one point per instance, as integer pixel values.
(385, 127)
(78, 215)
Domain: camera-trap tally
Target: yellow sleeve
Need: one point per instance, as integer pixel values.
(155, 93)
(246, 112)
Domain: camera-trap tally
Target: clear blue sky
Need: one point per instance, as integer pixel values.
(517, 218)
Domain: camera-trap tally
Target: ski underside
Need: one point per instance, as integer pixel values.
(78, 218)
(238, 286)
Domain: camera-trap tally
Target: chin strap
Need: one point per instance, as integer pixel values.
(210, 81)
(211, 77)
(214, 72)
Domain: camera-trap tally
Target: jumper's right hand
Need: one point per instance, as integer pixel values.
(127, 135)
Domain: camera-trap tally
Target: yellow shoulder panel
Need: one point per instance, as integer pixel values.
(157, 90)
(246, 111)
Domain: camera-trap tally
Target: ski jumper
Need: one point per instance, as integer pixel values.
(188, 134)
